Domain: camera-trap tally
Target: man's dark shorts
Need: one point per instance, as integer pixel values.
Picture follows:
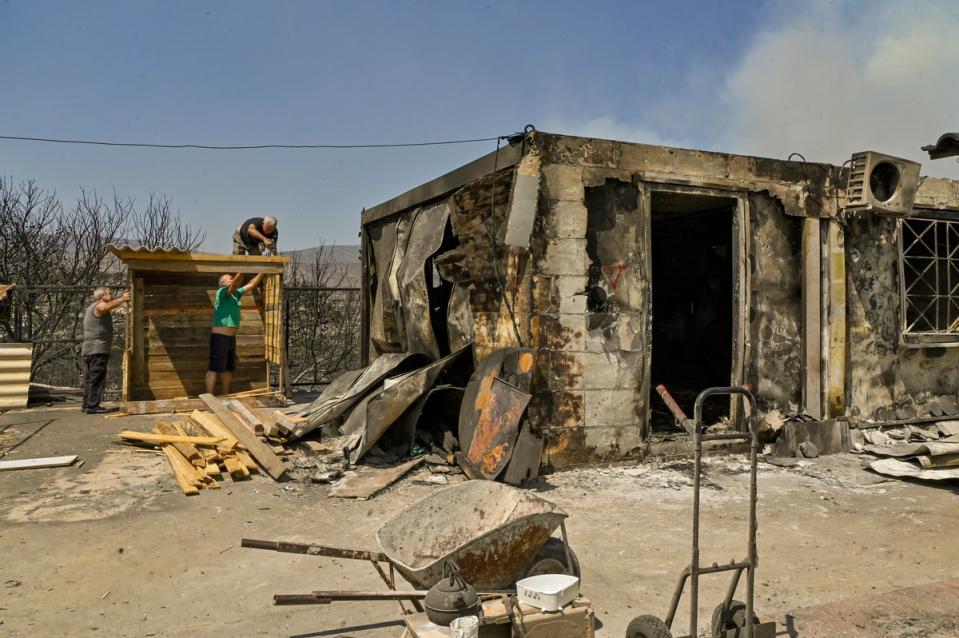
(222, 353)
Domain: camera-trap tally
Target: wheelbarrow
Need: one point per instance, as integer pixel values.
(495, 534)
(729, 619)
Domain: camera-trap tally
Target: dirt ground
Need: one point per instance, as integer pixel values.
(112, 547)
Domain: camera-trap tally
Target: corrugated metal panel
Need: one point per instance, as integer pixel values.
(15, 361)
(122, 250)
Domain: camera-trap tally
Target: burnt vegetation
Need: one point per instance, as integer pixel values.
(55, 253)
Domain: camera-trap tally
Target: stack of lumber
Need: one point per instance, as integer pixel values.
(229, 439)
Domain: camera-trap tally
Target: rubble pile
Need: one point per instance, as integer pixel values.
(929, 453)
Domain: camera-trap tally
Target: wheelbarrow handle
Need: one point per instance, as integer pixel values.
(312, 549)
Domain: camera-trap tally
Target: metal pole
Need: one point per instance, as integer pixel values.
(694, 562)
(753, 523)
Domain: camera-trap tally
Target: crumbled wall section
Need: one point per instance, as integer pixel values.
(498, 278)
(882, 373)
(775, 330)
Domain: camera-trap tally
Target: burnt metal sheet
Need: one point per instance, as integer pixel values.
(340, 396)
(527, 453)
(15, 362)
(382, 240)
(459, 318)
(394, 317)
(368, 422)
(424, 240)
(909, 450)
(895, 467)
(435, 411)
(513, 365)
(446, 184)
(497, 428)
(491, 530)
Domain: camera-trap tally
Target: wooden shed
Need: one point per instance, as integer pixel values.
(168, 322)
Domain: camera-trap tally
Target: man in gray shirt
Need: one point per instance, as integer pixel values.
(95, 350)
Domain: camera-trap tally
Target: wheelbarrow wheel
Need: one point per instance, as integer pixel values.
(551, 559)
(647, 627)
(734, 618)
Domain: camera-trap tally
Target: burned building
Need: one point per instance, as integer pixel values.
(624, 266)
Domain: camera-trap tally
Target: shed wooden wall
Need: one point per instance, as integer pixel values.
(172, 314)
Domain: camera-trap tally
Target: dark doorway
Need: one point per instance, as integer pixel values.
(692, 301)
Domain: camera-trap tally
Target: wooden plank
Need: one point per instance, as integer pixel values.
(138, 347)
(201, 267)
(195, 314)
(191, 387)
(127, 372)
(183, 480)
(188, 450)
(38, 463)
(235, 468)
(239, 263)
(245, 459)
(260, 451)
(161, 370)
(212, 424)
(284, 423)
(369, 480)
(212, 470)
(146, 437)
(164, 406)
(250, 419)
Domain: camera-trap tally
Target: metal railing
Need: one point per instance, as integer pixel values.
(321, 326)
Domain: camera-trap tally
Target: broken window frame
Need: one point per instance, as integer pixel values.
(929, 320)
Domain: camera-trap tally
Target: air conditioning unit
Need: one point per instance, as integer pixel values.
(882, 183)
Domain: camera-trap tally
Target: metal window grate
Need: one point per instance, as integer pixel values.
(929, 282)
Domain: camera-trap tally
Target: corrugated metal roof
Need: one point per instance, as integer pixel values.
(5, 290)
(126, 249)
(15, 362)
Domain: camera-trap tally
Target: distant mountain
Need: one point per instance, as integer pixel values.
(344, 262)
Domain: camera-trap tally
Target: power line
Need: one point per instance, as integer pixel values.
(49, 140)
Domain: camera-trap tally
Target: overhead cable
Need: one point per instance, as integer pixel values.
(20, 138)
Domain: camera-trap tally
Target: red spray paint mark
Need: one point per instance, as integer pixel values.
(613, 273)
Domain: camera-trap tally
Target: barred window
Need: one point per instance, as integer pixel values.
(929, 276)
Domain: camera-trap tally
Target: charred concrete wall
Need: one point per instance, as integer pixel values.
(775, 332)
(589, 255)
(593, 230)
(882, 372)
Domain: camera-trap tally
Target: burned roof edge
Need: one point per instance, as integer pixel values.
(505, 157)
(794, 182)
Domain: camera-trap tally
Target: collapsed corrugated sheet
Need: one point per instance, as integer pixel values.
(350, 388)
(382, 408)
(929, 454)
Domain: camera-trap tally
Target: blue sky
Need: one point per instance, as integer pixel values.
(745, 77)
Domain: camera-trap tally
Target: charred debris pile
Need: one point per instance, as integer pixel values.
(446, 412)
